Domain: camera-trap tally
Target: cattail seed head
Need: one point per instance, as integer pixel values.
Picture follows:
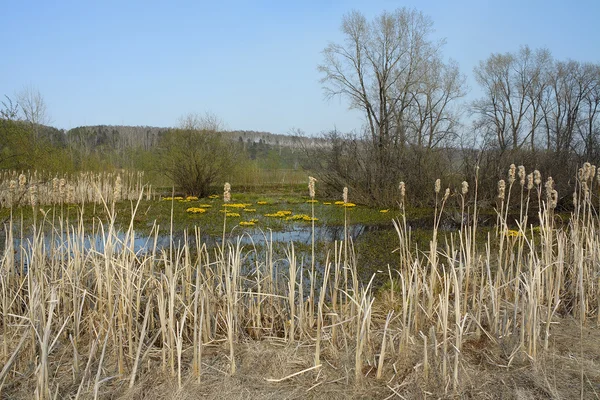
(512, 170)
(521, 174)
(311, 187)
(227, 193)
(592, 172)
(549, 185)
(553, 199)
(529, 181)
(345, 194)
(465, 188)
(537, 177)
(501, 189)
(438, 185)
(402, 188)
(446, 194)
(22, 181)
(587, 171)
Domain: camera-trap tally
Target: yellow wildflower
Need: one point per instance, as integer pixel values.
(196, 210)
(384, 211)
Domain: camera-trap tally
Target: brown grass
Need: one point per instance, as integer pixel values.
(516, 318)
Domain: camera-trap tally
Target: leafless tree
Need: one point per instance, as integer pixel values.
(33, 107)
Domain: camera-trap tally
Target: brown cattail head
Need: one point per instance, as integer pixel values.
(529, 181)
(311, 187)
(512, 171)
(345, 194)
(501, 189)
(465, 188)
(549, 185)
(537, 177)
(22, 181)
(227, 193)
(402, 188)
(446, 194)
(587, 171)
(521, 174)
(438, 185)
(553, 199)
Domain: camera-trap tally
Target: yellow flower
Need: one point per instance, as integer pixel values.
(349, 205)
(204, 205)
(232, 214)
(213, 196)
(327, 203)
(196, 210)
(312, 201)
(279, 214)
(191, 198)
(236, 205)
(250, 209)
(247, 223)
(339, 203)
(384, 211)
(513, 233)
(262, 202)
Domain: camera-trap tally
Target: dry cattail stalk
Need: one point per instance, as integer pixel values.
(521, 174)
(33, 195)
(529, 181)
(227, 193)
(512, 170)
(345, 194)
(465, 188)
(311, 187)
(118, 190)
(537, 177)
(501, 189)
(438, 185)
(575, 199)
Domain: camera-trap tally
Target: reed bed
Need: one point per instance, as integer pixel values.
(468, 316)
(20, 188)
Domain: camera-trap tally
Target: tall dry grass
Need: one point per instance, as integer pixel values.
(80, 319)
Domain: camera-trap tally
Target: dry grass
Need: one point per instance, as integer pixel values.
(516, 318)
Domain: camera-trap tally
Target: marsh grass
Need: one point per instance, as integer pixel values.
(86, 322)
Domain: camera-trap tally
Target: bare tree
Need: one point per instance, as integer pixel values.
(390, 70)
(513, 85)
(33, 107)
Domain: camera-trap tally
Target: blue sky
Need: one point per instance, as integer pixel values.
(254, 64)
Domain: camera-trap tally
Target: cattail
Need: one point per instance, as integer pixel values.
(549, 185)
(575, 199)
(227, 193)
(33, 195)
(62, 189)
(592, 172)
(70, 194)
(501, 189)
(537, 177)
(512, 170)
(118, 190)
(402, 188)
(529, 181)
(587, 171)
(345, 194)
(22, 181)
(580, 174)
(586, 190)
(465, 188)
(12, 186)
(311, 187)
(446, 194)
(521, 175)
(438, 185)
(553, 199)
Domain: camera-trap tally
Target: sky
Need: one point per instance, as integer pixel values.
(252, 63)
